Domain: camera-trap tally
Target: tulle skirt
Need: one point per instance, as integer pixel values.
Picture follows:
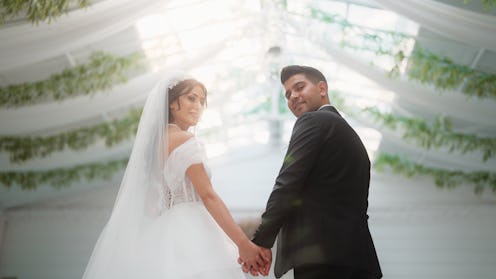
(185, 242)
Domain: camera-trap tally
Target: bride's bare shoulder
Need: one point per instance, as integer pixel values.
(176, 138)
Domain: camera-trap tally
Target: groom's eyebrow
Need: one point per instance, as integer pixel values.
(288, 92)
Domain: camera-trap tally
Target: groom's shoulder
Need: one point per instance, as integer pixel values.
(308, 120)
(319, 119)
(317, 115)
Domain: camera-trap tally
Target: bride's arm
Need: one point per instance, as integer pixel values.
(216, 207)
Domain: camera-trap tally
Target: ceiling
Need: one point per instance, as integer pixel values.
(236, 47)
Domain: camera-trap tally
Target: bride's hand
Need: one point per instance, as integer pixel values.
(254, 259)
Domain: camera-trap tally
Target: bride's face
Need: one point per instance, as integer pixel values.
(188, 108)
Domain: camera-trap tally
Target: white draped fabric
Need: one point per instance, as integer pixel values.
(48, 116)
(51, 115)
(98, 153)
(394, 143)
(465, 26)
(458, 106)
(27, 44)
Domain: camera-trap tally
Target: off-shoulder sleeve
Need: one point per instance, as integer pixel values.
(189, 153)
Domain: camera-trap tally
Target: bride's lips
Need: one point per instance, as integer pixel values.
(195, 115)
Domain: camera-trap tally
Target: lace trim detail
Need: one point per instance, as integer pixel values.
(177, 188)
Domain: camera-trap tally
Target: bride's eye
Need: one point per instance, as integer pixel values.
(194, 99)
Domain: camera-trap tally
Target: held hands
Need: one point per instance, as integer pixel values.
(255, 259)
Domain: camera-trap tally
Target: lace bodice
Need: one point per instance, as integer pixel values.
(177, 187)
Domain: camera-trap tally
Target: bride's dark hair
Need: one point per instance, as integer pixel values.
(181, 88)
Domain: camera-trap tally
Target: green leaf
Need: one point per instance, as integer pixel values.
(101, 73)
(442, 178)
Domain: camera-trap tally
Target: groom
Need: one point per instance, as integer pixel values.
(318, 206)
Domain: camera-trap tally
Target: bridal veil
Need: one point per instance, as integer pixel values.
(142, 193)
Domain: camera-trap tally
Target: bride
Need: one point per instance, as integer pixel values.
(167, 220)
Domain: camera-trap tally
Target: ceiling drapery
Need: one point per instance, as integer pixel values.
(27, 44)
(472, 28)
(240, 67)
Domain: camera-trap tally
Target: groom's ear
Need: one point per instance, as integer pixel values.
(322, 86)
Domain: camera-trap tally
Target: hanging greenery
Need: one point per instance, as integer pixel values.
(441, 72)
(113, 132)
(380, 42)
(437, 134)
(487, 4)
(37, 10)
(443, 178)
(62, 177)
(102, 72)
(424, 66)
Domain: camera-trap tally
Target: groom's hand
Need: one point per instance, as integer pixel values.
(267, 255)
(253, 270)
(262, 268)
(251, 255)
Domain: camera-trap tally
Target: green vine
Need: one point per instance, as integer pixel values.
(487, 4)
(371, 39)
(441, 72)
(437, 134)
(102, 72)
(37, 10)
(113, 132)
(424, 66)
(61, 177)
(443, 178)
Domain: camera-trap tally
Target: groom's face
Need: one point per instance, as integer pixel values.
(303, 95)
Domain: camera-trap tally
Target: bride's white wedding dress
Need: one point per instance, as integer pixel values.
(185, 241)
(159, 228)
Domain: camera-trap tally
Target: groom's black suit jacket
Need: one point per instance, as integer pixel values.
(318, 207)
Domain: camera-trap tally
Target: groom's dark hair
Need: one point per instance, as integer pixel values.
(311, 73)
